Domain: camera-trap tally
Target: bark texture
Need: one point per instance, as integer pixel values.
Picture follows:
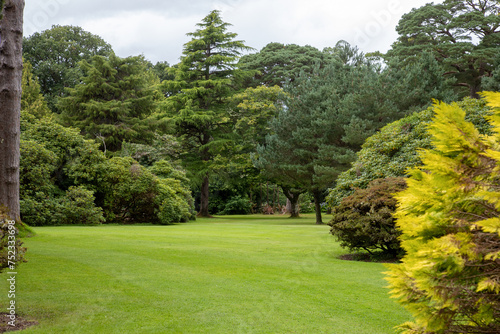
(205, 192)
(11, 36)
(317, 206)
(292, 196)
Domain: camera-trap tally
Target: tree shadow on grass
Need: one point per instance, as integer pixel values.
(367, 257)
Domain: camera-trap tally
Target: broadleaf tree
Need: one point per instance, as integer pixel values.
(206, 78)
(55, 54)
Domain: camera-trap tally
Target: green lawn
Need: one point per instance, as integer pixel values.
(238, 274)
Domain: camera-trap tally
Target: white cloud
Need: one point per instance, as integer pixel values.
(158, 28)
(153, 34)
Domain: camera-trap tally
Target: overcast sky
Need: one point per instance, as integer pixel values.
(157, 28)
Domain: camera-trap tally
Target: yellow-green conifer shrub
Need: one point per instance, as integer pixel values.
(449, 278)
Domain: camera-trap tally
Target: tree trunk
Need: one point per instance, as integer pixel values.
(267, 189)
(473, 91)
(11, 37)
(317, 206)
(204, 198)
(274, 199)
(292, 201)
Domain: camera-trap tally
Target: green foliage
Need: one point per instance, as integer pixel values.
(113, 102)
(306, 203)
(251, 111)
(173, 207)
(127, 191)
(163, 70)
(277, 64)
(365, 220)
(162, 147)
(78, 207)
(325, 119)
(413, 85)
(205, 79)
(175, 200)
(131, 193)
(394, 149)
(448, 216)
(61, 172)
(492, 83)
(461, 35)
(53, 158)
(55, 54)
(37, 188)
(237, 205)
(76, 157)
(32, 101)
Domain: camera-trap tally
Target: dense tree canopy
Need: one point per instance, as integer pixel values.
(394, 149)
(277, 63)
(450, 226)
(55, 54)
(463, 35)
(326, 117)
(113, 102)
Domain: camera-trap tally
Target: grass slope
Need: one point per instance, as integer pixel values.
(240, 274)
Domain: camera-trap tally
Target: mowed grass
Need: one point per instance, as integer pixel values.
(237, 274)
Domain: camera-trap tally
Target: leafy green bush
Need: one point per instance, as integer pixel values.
(237, 205)
(173, 208)
(306, 203)
(449, 218)
(56, 159)
(126, 191)
(364, 219)
(131, 193)
(38, 192)
(78, 207)
(394, 149)
(53, 158)
(174, 199)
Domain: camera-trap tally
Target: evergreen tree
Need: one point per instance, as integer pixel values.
(205, 79)
(305, 150)
(463, 35)
(277, 63)
(394, 149)
(113, 103)
(449, 218)
(326, 117)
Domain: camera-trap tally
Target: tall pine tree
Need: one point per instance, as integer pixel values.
(206, 77)
(326, 117)
(113, 102)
